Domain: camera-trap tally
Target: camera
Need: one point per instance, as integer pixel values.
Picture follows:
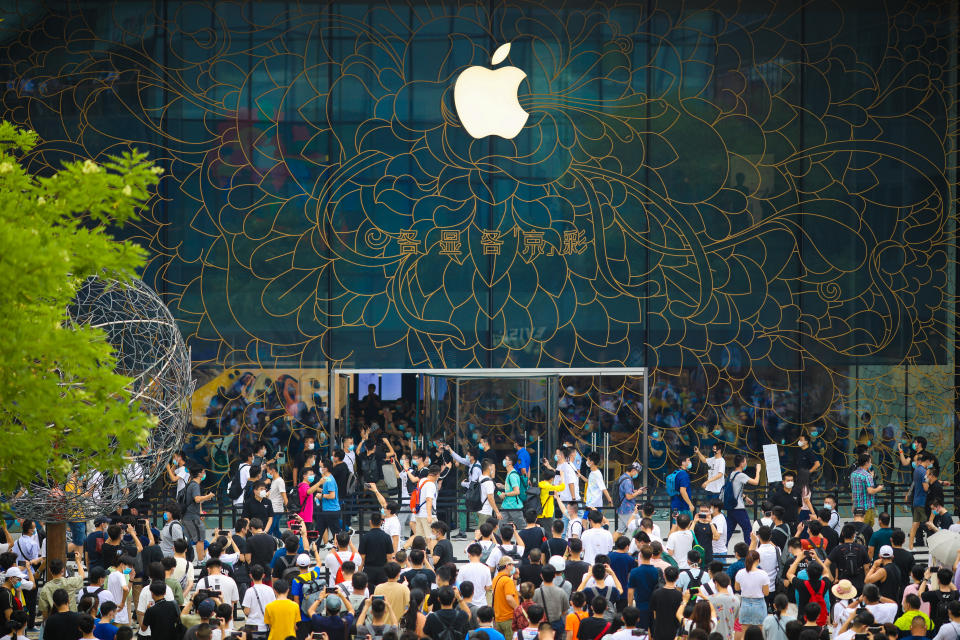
(331, 589)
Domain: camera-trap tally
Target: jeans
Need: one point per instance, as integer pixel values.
(739, 517)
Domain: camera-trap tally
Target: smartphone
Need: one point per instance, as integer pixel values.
(861, 636)
(638, 633)
(331, 589)
(21, 563)
(377, 597)
(313, 535)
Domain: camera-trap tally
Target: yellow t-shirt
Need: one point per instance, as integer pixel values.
(547, 504)
(282, 617)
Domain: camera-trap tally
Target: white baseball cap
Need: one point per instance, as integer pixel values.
(303, 560)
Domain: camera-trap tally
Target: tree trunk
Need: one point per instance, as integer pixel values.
(56, 542)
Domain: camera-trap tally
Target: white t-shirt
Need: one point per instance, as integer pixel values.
(752, 582)
(391, 526)
(883, 612)
(478, 574)
(487, 487)
(496, 554)
(679, 543)
(183, 477)
(183, 572)
(739, 480)
(595, 541)
(277, 488)
(330, 562)
(224, 584)
(144, 602)
(716, 466)
(624, 634)
(720, 544)
(103, 596)
(595, 487)
(244, 477)
(256, 599)
(569, 475)
(770, 561)
(116, 581)
(427, 490)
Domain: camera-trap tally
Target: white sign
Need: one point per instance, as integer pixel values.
(771, 460)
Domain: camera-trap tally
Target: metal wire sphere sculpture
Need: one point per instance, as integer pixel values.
(150, 349)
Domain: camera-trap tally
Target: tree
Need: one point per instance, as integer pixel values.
(58, 389)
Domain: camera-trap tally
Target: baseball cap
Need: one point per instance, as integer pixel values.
(14, 572)
(99, 520)
(859, 511)
(637, 466)
(505, 561)
(206, 608)
(303, 560)
(886, 551)
(332, 603)
(558, 563)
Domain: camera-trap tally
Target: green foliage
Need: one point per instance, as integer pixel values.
(58, 389)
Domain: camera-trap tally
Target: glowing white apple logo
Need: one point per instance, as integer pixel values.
(486, 99)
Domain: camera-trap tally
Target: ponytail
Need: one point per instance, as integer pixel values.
(750, 562)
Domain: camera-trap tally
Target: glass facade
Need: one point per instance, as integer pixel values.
(756, 201)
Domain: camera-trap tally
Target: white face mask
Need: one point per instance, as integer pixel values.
(788, 484)
(828, 506)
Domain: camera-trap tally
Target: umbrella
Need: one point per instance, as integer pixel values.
(944, 546)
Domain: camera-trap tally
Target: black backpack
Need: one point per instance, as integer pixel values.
(849, 566)
(446, 632)
(695, 582)
(235, 490)
(472, 499)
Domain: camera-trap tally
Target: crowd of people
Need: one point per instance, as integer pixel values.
(568, 556)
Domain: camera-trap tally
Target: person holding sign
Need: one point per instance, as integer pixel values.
(736, 503)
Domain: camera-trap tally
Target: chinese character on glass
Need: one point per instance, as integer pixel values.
(450, 243)
(407, 240)
(533, 244)
(574, 241)
(491, 242)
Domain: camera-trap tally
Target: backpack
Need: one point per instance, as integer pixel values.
(446, 632)
(694, 584)
(286, 567)
(312, 587)
(818, 598)
(415, 503)
(368, 468)
(858, 536)
(352, 485)
(486, 552)
(472, 498)
(339, 577)
(696, 545)
(730, 500)
(610, 613)
(671, 481)
(293, 498)
(618, 499)
(234, 488)
(849, 565)
(514, 554)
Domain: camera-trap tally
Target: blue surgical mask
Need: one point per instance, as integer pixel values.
(868, 442)
(814, 434)
(913, 446)
(655, 434)
(717, 432)
(17, 585)
(688, 465)
(127, 571)
(166, 516)
(351, 448)
(556, 457)
(311, 478)
(383, 512)
(414, 463)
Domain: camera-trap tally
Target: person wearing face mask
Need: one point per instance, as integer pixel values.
(864, 488)
(738, 515)
(118, 584)
(505, 596)
(259, 506)
(807, 458)
(172, 528)
(678, 487)
(306, 495)
(788, 498)
(11, 592)
(300, 460)
(278, 497)
(716, 469)
(193, 512)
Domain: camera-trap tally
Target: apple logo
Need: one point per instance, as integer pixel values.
(486, 99)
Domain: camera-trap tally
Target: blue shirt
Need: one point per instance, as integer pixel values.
(682, 479)
(523, 462)
(643, 580)
(282, 551)
(622, 564)
(330, 504)
(732, 570)
(625, 486)
(919, 493)
(492, 633)
(105, 631)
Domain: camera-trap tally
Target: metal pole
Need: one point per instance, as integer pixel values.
(646, 434)
(456, 399)
(331, 402)
(606, 457)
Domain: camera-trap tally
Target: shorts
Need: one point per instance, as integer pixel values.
(195, 529)
(919, 514)
(752, 611)
(624, 518)
(78, 532)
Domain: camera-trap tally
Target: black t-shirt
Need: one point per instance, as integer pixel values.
(934, 492)
(62, 624)
(779, 535)
(847, 561)
(892, 585)
(938, 604)
(705, 537)
(262, 509)
(531, 573)
(375, 546)
(109, 551)
(806, 458)
(415, 578)
(790, 503)
(261, 546)
(554, 547)
(456, 620)
(444, 550)
(341, 473)
(161, 618)
(904, 560)
(592, 628)
(240, 541)
(532, 539)
(833, 538)
(283, 563)
(663, 604)
(7, 601)
(575, 571)
(942, 520)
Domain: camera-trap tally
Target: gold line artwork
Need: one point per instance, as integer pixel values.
(758, 204)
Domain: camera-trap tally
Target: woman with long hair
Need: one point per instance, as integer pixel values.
(414, 618)
(775, 624)
(805, 492)
(753, 583)
(700, 616)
